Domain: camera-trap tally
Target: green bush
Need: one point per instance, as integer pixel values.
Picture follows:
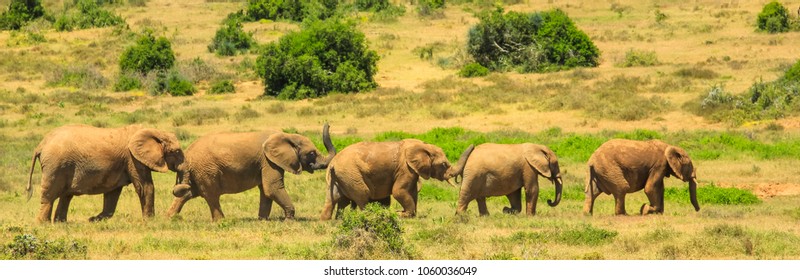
(172, 83)
(325, 56)
(473, 70)
(637, 58)
(773, 18)
(28, 246)
(231, 39)
(86, 14)
(793, 74)
(20, 12)
(371, 233)
(372, 5)
(127, 81)
(536, 42)
(430, 8)
(224, 86)
(147, 55)
(294, 10)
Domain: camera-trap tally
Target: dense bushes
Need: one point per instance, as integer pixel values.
(28, 246)
(231, 39)
(295, 10)
(374, 233)
(774, 18)
(20, 12)
(473, 70)
(147, 55)
(86, 14)
(325, 56)
(536, 42)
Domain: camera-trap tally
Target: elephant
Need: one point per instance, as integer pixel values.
(621, 166)
(81, 159)
(375, 171)
(226, 163)
(504, 169)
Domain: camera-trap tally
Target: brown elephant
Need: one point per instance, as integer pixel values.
(505, 169)
(225, 163)
(375, 171)
(619, 167)
(80, 159)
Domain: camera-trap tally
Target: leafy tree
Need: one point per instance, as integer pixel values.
(294, 10)
(231, 38)
(773, 18)
(324, 56)
(87, 14)
(147, 55)
(20, 12)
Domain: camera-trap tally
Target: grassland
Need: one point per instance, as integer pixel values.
(749, 193)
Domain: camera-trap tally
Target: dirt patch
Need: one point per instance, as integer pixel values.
(769, 190)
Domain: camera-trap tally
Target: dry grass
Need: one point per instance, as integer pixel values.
(700, 43)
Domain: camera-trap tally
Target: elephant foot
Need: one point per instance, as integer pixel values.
(407, 214)
(288, 214)
(509, 210)
(100, 217)
(181, 190)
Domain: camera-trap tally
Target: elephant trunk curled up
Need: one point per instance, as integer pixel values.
(458, 169)
(326, 139)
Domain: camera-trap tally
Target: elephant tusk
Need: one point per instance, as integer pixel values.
(451, 183)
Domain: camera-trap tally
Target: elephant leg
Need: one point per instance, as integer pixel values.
(470, 185)
(531, 196)
(405, 192)
(52, 187)
(592, 191)
(143, 183)
(515, 199)
(482, 209)
(619, 208)
(110, 200)
(177, 204)
(63, 208)
(264, 205)
(216, 209)
(655, 194)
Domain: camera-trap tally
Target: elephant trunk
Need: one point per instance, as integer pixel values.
(182, 183)
(559, 184)
(693, 193)
(326, 140)
(458, 169)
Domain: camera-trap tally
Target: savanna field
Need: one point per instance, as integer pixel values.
(695, 74)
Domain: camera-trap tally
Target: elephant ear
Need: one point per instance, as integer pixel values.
(418, 158)
(677, 159)
(280, 149)
(538, 159)
(146, 146)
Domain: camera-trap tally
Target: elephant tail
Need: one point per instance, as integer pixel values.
(29, 190)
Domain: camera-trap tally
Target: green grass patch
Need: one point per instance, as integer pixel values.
(712, 194)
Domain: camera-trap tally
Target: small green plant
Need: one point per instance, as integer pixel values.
(19, 13)
(773, 18)
(660, 16)
(173, 83)
(430, 8)
(366, 234)
(220, 87)
(127, 81)
(473, 70)
(325, 56)
(231, 39)
(639, 58)
(149, 54)
(28, 246)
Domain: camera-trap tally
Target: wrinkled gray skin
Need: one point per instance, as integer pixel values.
(376, 171)
(226, 163)
(619, 167)
(507, 169)
(80, 159)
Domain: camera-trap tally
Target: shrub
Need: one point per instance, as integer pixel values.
(28, 246)
(372, 5)
(127, 81)
(430, 8)
(793, 74)
(231, 39)
(473, 70)
(87, 14)
(536, 42)
(295, 10)
(371, 233)
(147, 55)
(323, 57)
(224, 86)
(20, 12)
(172, 83)
(636, 58)
(773, 18)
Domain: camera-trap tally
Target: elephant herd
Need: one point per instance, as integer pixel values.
(80, 159)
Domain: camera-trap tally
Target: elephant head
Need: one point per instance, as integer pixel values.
(545, 162)
(426, 160)
(680, 165)
(160, 151)
(296, 153)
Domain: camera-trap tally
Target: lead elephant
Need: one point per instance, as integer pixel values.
(505, 169)
(80, 159)
(619, 167)
(373, 171)
(226, 163)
